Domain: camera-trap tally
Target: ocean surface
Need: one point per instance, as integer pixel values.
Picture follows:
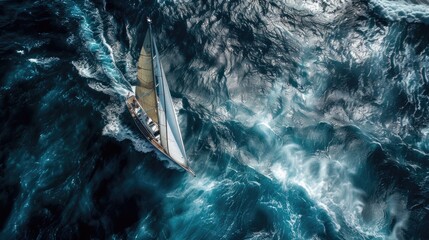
(302, 120)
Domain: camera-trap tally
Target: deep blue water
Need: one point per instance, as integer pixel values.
(302, 120)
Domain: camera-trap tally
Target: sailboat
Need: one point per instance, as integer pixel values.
(151, 105)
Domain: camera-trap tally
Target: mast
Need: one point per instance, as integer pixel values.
(152, 44)
(160, 102)
(160, 87)
(151, 50)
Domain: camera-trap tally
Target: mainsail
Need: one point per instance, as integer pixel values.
(145, 89)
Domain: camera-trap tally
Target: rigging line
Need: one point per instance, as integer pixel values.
(151, 62)
(154, 77)
(163, 89)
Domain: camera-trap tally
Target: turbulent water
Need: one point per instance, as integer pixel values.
(302, 119)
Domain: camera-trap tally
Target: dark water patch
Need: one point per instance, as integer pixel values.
(179, 33)
(9, 191)
(416, 39)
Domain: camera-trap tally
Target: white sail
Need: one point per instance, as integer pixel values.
(171, 117)
(171, 138)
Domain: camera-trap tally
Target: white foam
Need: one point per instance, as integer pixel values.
(96, 43)
(401, 10)
(46, 62)
(279, 173)
(84, 69)
(424, 142)
(324, 176)
(117, 130)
